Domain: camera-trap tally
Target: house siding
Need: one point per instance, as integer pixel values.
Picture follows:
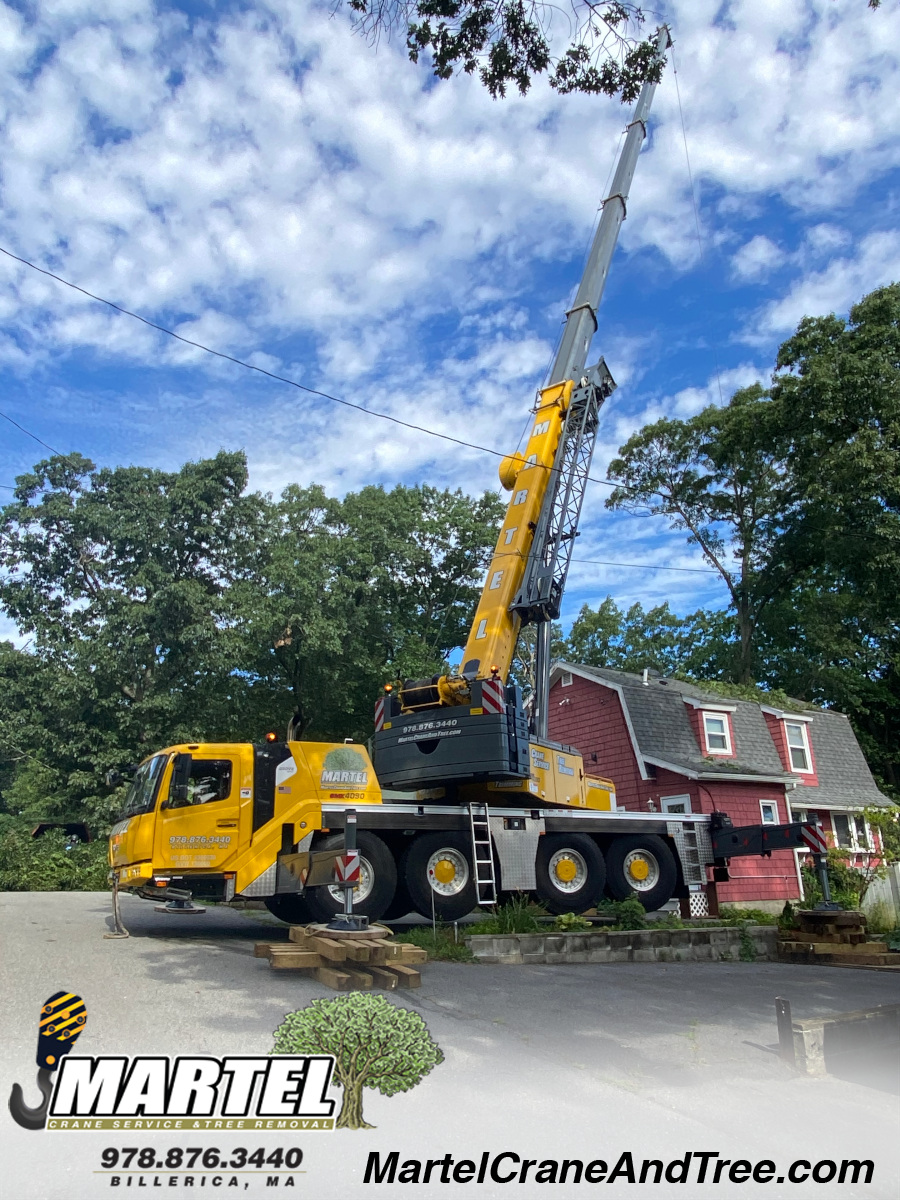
(594, 722)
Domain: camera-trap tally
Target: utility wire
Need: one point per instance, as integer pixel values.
(261, 371)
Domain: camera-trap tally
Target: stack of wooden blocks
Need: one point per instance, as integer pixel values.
(347, 960)
(836, 938)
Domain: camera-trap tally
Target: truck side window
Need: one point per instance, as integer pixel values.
(210, 780)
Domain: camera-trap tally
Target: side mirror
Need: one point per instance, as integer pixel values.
(113, 779)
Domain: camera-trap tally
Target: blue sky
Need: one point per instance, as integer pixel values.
(262, 179)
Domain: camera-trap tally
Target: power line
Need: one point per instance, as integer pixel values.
(261, 371)
(599, 562)
(28, 432)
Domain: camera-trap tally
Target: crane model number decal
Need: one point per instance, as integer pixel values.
(200, 840)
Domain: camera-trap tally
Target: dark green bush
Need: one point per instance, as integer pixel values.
(52, 863)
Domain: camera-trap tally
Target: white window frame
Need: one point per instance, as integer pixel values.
(716, 716)
(804, 733)
(665, 801)
(565, 679)
(763, 805)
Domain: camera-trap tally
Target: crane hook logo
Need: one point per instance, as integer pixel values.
(62, 1019)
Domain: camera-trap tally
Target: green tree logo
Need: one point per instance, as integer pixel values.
(375, 1044)
(343, 758)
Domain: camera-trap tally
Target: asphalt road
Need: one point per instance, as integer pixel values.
(582, 1061)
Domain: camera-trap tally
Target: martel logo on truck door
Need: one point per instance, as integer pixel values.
(343, 765)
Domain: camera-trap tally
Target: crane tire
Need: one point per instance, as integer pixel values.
(569, 871)
(642, 866)
(437, 868)
(290, 907)
(377, 886)
(401, 904)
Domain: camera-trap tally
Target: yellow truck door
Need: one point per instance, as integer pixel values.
(198, 814)
(131, 838)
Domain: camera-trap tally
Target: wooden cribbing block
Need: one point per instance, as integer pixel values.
(360, 980)
(412, 954)
(333, 951)
(261, 949)
(289, 957)
(407, 977)
(341, 981)
(383, 978)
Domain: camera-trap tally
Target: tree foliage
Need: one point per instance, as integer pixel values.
(164, 607)
(793, 495)
(589, 47)
(375, 1044)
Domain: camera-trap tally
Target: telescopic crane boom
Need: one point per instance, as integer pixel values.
(527, 574)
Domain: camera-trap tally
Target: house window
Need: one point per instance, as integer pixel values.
(715, 728)
(565, 680)
(676, 804)
(862, 835)
(798, 745)
(769, 812)
(798, 814)
(842, 834)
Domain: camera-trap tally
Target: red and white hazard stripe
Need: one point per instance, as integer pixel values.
(346, 867)
(379, 714)
(493, 699)
(814, 836)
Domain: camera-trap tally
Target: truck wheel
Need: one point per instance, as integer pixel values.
(437, 868)
(641, 865)
(376, 887)
(289, 907)
(400, 905)
(569, 871)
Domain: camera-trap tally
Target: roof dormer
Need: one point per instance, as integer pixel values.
(713, 727)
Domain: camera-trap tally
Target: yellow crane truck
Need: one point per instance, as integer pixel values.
(481, 801)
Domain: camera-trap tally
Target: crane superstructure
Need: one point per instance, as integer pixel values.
(484, 802)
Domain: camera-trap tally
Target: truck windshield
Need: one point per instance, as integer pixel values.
(141, 796)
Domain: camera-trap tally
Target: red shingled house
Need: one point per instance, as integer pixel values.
(670, 746)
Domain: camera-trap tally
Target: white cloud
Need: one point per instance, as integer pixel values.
(757, 258)
(835, 288)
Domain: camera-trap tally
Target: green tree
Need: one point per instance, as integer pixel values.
(699, 645)
(120, 577)
(375, 1044)
(509, 42)
(344, 595)
(836, 424)
(715, 477)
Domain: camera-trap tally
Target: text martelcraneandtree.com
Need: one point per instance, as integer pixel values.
(695, 1166)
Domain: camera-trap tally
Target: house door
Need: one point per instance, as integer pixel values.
(675, 804)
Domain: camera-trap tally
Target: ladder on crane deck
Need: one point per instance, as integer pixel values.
(483, 854)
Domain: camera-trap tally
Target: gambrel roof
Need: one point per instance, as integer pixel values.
(657, 713)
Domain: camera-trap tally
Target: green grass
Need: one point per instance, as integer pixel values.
(438, 942)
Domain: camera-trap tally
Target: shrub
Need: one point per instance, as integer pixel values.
(51, 863)
(517, 915)
(571, 923)
(440, 942)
